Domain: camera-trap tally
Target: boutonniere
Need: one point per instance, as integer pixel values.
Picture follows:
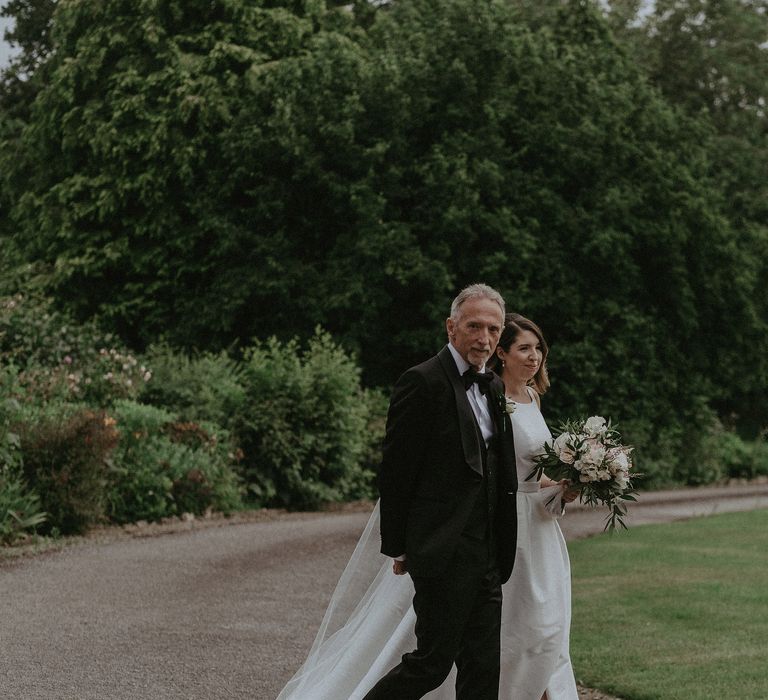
(507, 407)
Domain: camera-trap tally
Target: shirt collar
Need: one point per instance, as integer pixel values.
(461, 363)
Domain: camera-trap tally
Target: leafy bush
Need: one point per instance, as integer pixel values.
(308, 432)
(10, 457)
(717, 454)
(164, 467)
(376, 403)
(740, 459)
(760, 456)
(65, 450)
(303, 432)
(206, 387)
(702, 465)
(138, 485)
(20, 510)
(707, 455)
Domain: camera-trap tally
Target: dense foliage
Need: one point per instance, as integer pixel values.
(64, 450)
(164, 467)
(186, 176)
(708, 58)
(305, 426)
(20, 509)
(89, 434)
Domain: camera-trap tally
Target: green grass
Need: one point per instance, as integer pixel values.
(674, 611)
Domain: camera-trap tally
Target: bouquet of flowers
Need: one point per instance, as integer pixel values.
(590, 455)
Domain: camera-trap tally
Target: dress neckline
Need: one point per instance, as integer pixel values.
(520, 403)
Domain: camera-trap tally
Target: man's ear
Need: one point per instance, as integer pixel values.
(449, 326)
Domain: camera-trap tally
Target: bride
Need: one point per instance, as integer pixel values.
(369, 623)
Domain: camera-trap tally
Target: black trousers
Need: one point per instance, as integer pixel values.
(458, 617)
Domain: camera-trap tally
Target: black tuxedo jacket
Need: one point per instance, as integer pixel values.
(431, 469)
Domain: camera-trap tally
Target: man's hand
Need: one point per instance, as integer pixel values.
(399, 567)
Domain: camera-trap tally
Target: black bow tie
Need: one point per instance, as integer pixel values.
(483, 379)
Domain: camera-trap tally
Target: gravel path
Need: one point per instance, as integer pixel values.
(207, 610)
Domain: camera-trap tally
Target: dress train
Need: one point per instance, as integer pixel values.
(369, 622)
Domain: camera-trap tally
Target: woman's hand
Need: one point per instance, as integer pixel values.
(570, 492)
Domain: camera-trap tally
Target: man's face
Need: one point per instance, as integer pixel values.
(475, 333)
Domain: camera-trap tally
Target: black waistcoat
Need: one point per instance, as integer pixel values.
(480, 522)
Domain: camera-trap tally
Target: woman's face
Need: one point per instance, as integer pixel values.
(524, 357)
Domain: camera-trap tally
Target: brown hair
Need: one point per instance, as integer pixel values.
(514, 325)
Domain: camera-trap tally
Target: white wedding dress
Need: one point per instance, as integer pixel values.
(369, 622)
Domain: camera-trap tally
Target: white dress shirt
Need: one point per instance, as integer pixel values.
(478, 402)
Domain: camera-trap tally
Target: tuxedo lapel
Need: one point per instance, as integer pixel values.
(495, 398)
(467, 422)
(504, 430)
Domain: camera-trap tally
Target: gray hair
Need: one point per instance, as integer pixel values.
(476, 291)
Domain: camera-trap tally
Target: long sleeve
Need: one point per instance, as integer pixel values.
(407, 421)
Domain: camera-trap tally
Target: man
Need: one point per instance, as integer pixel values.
(448, 518)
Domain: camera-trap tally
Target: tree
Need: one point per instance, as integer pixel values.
(542, 162)
(132, 127)
(31, 35)
(710, 58)
(32, 20)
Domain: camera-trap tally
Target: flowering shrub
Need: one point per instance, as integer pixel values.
(292, 424)
(59, 360)
(110, 375)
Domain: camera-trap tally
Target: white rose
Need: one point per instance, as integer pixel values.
(564, 452)
(587, 472)
(595, 425)
(594, 455)
(619, 460)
